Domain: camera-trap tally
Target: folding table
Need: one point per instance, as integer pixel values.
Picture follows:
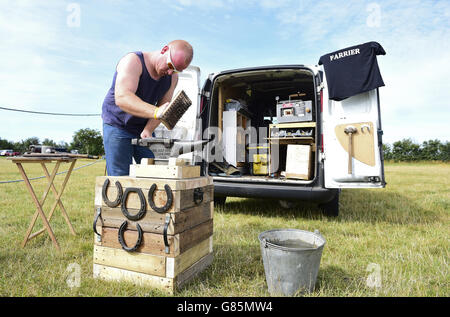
(43, 160)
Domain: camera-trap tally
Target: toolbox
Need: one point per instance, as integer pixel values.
(259, 156)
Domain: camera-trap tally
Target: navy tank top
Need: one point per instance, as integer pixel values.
(149, 90)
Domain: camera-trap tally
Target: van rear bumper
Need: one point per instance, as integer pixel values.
(309, 193)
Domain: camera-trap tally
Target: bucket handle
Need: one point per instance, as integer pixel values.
(317, 233)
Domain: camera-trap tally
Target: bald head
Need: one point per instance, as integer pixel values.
(182, 53)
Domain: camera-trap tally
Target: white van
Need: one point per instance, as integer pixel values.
(321, 128)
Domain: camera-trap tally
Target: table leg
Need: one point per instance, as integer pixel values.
(39, 209)
(58, 196)
(36, 214)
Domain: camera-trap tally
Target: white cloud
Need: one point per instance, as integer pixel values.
(47, 66)
(415, 69)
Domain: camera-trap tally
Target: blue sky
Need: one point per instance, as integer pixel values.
(59, 56)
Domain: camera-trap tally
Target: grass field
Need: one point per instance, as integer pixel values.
(400, 234)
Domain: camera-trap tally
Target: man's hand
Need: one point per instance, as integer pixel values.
(161, 110)
(146, 134)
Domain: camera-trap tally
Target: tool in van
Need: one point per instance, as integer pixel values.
(350, 130)
(294, 110)
(175, 110)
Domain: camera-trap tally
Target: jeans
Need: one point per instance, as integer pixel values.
(120, 152)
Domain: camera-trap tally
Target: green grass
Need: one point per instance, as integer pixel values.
(402, 229)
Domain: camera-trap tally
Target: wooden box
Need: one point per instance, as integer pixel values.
(164, 171)
(298, 161)
(153, 231)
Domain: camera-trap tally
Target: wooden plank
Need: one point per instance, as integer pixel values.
(153, 243)
(154, 222)
(293, 125)
(57, 155)
(168, 285)
(363, 148)
(22, 159)
(178, 161)
(182, 199)
(146, 183)
(189, 274)
(109, 273)
(147, 161)
(166, 171)
(152, 264)
(132, 261)
(176, 265)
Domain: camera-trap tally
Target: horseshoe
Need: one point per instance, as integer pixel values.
(116, 202)
(122, 228)
(169, 201)
(142, 210)
(166, 240)
(97, 215)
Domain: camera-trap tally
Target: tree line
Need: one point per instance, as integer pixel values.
(86, 141)
(407, 150)
(90, 141)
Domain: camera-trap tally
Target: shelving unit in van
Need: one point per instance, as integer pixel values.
(296, 133)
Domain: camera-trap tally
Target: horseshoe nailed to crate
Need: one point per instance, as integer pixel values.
(153, 231)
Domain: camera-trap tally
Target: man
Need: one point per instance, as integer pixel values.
(142, 88)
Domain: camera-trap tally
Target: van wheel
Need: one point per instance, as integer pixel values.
(331, 208)
(287, 204)
(220, 200)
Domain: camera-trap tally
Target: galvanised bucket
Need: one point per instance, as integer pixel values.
(291, 260)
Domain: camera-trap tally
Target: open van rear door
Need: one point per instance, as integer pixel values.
(189, 81)
(186, 127)
(352, 144)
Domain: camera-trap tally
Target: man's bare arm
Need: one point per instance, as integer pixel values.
(152, 124)
(129, 70)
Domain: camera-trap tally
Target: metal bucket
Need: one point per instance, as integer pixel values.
(291, 259)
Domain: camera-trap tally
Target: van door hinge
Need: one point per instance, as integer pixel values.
(320, 87)
(322, 156)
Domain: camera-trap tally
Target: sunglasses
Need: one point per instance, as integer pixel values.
(170, 63)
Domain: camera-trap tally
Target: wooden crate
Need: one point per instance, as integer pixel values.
(164, 273)
(154, 222)
(153, 243)
(299, 161)
(183, 191)
(176, 242)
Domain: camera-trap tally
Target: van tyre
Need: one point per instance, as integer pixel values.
(331, 208)
(220, 200)
(287, 204)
